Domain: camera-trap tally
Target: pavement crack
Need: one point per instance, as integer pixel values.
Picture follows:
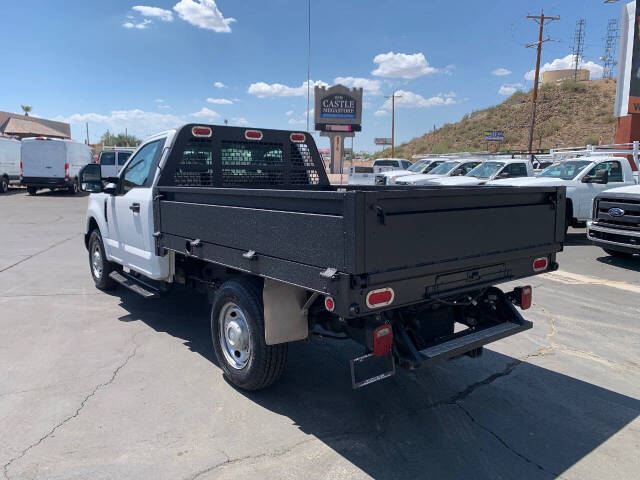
(114, 374)
(505, 444)
(29, 257)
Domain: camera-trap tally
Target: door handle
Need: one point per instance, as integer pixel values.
(135, 207)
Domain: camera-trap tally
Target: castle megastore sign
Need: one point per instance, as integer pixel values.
(338, 106)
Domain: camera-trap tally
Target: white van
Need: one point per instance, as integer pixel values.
(9, 163)
(52, 163)
(112, 159)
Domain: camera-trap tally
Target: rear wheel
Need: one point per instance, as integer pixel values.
(73, 188)
(98, 263)
(4, 184)
(615, 253)
(237, 331)
(32, 190)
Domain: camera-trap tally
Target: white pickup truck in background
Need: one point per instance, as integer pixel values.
(366, 175)
(421, 166)
(450, 168)
(584, 178)
(489, 170)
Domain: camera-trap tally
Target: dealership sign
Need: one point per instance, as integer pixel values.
(338, 105)
(382, 141)
(493, 136)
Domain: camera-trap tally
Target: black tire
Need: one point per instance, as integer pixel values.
(615, 253)
(4, 184)
(74, 188)
(264, 363)
(32, 190)
(100, 277)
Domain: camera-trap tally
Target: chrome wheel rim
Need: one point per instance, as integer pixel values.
(235, 338)
(96, 261)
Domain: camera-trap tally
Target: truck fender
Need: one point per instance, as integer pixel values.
(284, 319)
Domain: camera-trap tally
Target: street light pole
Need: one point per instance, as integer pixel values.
(393, 122)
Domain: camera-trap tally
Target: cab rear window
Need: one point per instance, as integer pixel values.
(108, 158)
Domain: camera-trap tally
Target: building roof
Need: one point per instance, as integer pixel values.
(61, 127)
(23, 126)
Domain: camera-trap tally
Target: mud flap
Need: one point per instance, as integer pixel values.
(284, 319)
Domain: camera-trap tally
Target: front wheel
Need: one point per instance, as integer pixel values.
(74, 188)
(4, 184)
(98, 263)
(32, 190)
(237, 331)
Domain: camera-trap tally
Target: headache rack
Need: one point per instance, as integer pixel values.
(236, 157)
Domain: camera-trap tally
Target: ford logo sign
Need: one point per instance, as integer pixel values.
(616, 212)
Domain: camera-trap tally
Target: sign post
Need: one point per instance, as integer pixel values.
(337, 114)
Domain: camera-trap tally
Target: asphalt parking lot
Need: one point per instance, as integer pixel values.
(107, 386)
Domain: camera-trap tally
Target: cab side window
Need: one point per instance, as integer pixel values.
(465, 168)
(516, 170)
(406, 164)
(108, 158)
(613, 167)
(140, 171)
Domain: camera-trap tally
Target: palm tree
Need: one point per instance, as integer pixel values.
(26, 109)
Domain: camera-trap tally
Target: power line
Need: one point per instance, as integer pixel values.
(610, 47)
(578, 46)
(540, 19)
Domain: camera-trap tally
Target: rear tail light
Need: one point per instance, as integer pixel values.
(297, 137)
(201, 131)
(526, 297)
(540, 264)
(66, 171)
(21, 169)
(380, 298)
(253, 134)
(329, 304)
(382, 340)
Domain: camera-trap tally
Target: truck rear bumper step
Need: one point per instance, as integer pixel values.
(473, 340)
(133, 285)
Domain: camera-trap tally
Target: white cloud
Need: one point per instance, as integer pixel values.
(415, 100)
(164, 107)
(206, 114)
(262, 89)
(159, 100)
(509, 89)
(239, 121)
(380, 113)
(140, 26)
(203, 14)
(219, 85)
(567, 63)
(220, 101)
(294, 121)
(402, 65)
(369, 86)
(137, 122)
(288, 113)
(500, 72)
(159, 13)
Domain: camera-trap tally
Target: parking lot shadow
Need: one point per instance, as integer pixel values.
(577, 238)
(492, 417)
(630, 263)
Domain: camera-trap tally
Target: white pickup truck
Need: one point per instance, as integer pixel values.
(584, 178)
(421, 166)
(615, 226)
(366, 175)
(450, 168)
(489, 170)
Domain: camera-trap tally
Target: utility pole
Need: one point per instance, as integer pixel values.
(393, 121)
(608, 59)
(578, 47)
(87, 125)
(540, 19)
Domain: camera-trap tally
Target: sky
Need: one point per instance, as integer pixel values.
(150, 65)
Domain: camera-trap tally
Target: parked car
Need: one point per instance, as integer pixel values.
(112, 159)
(421, 166)
(584, 178)
(52, 163)
(450, 168)
(489, 170)
(366, 175)
(248, 217)
(615, 226)
(9, 163)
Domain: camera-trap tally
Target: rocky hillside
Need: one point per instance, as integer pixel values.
(569, 114)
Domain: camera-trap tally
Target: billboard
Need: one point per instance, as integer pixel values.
(337, 105)
(634, 80)
(382, 141)
(493, 136)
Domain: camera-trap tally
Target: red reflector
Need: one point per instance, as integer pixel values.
(253, 134)
(540, 264)
(201, 131)
(382, 340)
(66, 170)
(329, 304)
(297, 137)
(526, 297)
(380, 298)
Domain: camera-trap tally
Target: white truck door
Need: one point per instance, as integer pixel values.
(589, 191)
(131, 217)
(108, 164)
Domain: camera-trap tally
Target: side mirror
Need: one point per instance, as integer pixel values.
(601, 177)
(90, 178)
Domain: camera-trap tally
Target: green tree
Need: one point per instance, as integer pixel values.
(119, 140)
(26, 109)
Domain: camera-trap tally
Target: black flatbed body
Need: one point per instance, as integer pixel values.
(344, 241)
